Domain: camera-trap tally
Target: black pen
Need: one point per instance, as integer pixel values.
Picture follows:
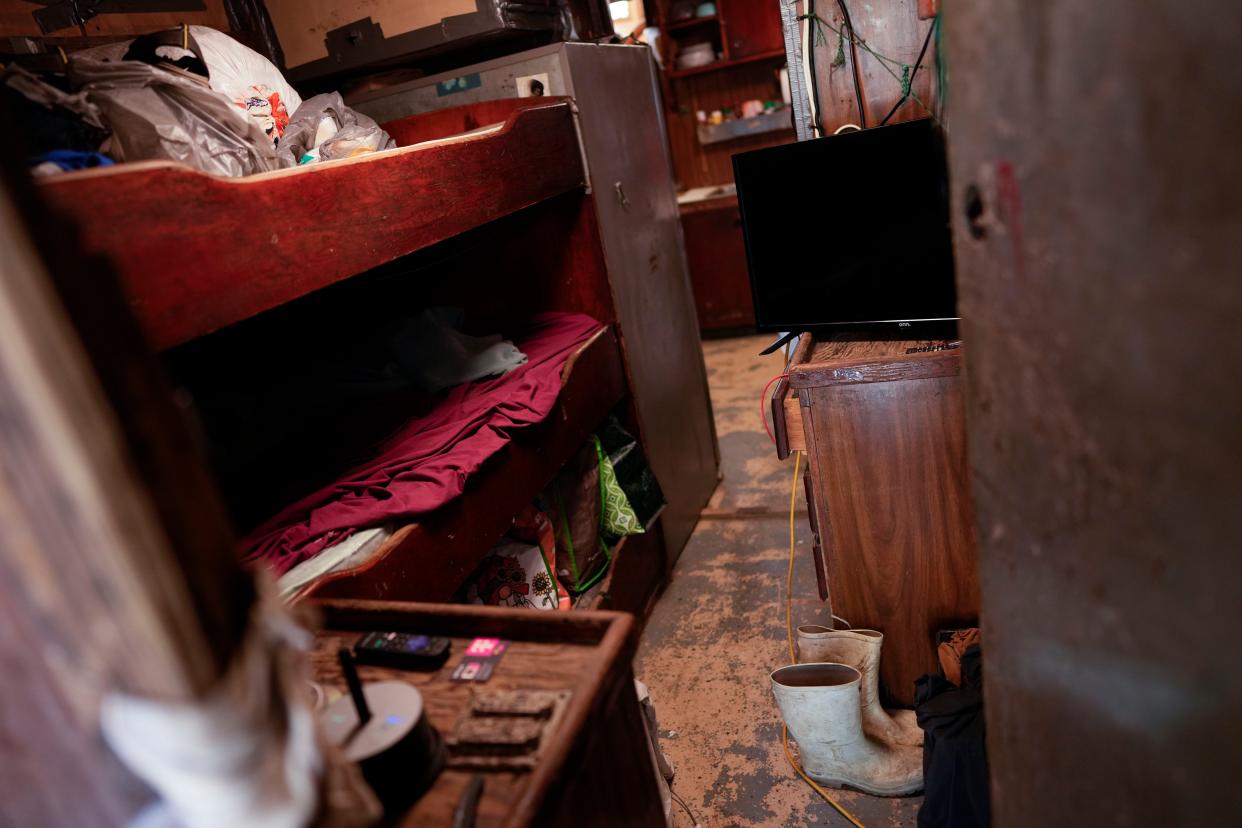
(468, 806)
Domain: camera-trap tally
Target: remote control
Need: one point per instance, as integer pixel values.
(403, 651)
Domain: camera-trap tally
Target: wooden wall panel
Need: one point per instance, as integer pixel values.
(302, 25)
(117, 569)
(16, 21)
(750, 27)
(44, 748)
(893, 29)
(1100, 299)
(698, 165)
(745, 28)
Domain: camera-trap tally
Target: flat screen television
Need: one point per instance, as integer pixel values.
(850, 231)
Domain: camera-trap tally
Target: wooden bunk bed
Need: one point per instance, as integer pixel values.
(484, 207)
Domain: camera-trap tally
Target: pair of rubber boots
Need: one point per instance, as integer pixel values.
(831, 704)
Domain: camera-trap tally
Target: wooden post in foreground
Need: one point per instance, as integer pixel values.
(117, 569)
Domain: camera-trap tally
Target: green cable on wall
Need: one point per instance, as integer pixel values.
(886, 62)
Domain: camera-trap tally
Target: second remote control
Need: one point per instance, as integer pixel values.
(404, 651)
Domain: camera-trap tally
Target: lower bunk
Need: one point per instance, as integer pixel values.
(378, 438)
(427, 511)
(430, 555)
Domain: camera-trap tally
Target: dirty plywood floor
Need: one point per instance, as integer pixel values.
(719, 628)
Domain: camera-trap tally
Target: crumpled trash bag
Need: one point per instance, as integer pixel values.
(325, 119)
(352, 141)
(38, 91)
(52, 119)
(251, 81)
(167, 113)
(245, 77)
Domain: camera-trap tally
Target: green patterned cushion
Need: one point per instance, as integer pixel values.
(617, 516)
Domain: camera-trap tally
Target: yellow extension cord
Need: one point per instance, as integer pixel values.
(793, 659)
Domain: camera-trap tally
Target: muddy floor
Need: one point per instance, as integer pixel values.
(719, 628)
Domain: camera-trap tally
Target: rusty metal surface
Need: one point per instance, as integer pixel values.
(719, 628)
(1100, 292)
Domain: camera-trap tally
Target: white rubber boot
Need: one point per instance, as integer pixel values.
(820, 706)
(860, 649)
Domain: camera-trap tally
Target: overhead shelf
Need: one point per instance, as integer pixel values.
(201, 252)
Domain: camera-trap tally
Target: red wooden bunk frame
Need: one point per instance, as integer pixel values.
(192, 247)
(191, 265)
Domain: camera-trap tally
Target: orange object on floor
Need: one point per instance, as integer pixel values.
(950, 653)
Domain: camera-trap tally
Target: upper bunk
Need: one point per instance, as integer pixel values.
(197, 253)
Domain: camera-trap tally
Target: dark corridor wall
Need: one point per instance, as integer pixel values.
(1101, 293)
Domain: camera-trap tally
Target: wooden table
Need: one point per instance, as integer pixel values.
(888, 490)
(596, 770)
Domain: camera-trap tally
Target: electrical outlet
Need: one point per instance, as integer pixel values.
(532, 86)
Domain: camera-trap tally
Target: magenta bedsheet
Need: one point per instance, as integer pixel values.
(426, 463)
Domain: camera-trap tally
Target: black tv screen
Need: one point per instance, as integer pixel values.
(850, 230)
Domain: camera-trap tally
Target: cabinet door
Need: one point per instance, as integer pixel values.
(750, 27)
(716, 255)
(894, 515)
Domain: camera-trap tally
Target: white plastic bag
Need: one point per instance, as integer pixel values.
(250, 80)
(319, 119)
(157, 113)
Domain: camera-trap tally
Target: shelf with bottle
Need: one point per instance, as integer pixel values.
(750, 118)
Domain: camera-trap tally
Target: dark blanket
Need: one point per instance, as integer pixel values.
(425, 464)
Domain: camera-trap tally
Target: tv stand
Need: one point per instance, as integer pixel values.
(940, 329)
(881, 422)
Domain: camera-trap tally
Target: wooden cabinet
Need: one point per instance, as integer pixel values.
(716, 257)
(747, 37)
(741, 30)
(750, 27)
(884, 433)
